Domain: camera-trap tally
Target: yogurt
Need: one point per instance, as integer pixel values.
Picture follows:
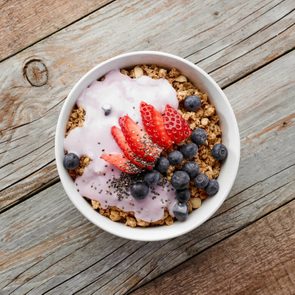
(102, 181)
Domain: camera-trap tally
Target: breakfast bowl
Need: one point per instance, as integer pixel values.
(226, 118)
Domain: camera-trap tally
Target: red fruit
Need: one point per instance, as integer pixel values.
(176, 127)
(154, 125)
(128, 153)
(138, 140)
(121, 162)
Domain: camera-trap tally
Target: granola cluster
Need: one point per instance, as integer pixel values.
(76, 119)
(206, 118)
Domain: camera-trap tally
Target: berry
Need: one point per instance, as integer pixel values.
(138, 140)
(192, 103)
(139, 190)
(191, 168)
(71, 161)
(201, 181)
(176, 127)
(121, 162)
(154, 125)
(152, 178)
(219, 152)
(175, 157)
(212, 188)
(128, 153)
(183, 195)
(107, 108)
(199, 136)
(162, 165)
(180, 211)
(189, 150)
(180, 180)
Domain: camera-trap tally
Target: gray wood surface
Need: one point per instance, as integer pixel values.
(246, 258)
(48, 247)
(230, 39)
(25, 22)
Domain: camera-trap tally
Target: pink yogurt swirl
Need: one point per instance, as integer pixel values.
(100, 179)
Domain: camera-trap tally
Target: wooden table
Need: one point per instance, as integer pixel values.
(48, 247)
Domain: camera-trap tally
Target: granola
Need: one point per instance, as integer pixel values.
(206, 118)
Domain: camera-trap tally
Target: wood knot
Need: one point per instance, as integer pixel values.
(35, 71)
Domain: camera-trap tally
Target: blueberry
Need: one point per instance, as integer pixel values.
(139, 190)
(191, 168)
(212, 188)
(152, 178)
(175, 157)
(219, 152)
(180, 211)
(162, 165)
(189, 150)
(107, 108)
(192, 103)
(183, 195)
(71, 161)
(180, 180)
(201, 181)
(199, 136)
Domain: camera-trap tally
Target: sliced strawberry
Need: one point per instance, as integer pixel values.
(154, 125)
(138, 140)
(128, 153)
(177, 128)
(121, 162)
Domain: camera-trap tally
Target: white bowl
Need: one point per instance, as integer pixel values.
(230, 138)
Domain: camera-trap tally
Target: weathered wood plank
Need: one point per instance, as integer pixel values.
(30, 113)
(25, 22)
(47, 260)
(52, 243)
(258, 260)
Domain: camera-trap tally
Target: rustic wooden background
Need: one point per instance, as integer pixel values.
(47, 247)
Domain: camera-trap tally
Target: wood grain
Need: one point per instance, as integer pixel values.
(47, 246)
(29, 113)
(28, 21)
(258, 260)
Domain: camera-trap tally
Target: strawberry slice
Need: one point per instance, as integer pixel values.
(128, 153)
(154, 125)
(138, 140)
(176, 127)
(121, 162)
